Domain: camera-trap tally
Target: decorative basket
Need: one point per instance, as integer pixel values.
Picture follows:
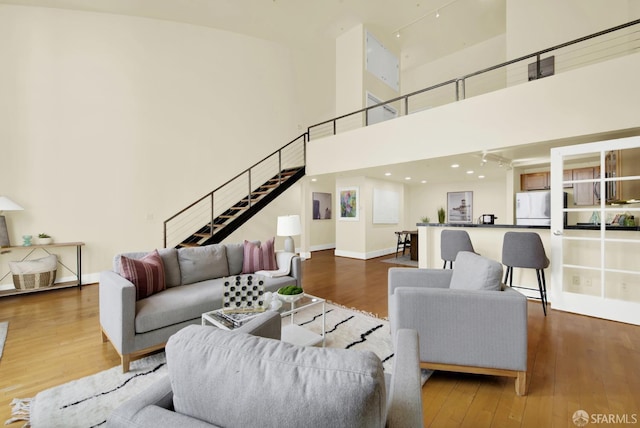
(33, 274)
(29, 281)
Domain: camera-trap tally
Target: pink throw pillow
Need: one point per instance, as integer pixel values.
(147, 273)
(259, 257)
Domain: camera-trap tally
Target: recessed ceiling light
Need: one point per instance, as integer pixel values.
(470, 171)
(407, 178)
(387, 174)
(314, 179)
(423, 181)
(455, 165)
(481, 176)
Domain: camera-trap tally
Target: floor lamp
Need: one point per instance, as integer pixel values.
(6, 204)
(289, 225)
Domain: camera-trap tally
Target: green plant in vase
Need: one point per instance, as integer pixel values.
(425, 219)
(440, 215)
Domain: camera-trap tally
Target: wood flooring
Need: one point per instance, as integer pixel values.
(574, 362)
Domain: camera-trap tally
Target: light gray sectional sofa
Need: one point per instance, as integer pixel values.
(218, 378)
(194, 282)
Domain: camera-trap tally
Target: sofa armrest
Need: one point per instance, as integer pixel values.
(411, 277)
(267, 325)
(464, 327)
(405, 392)
(152, 408)
(118, 310)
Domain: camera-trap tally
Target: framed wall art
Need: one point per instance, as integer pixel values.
(460, 207)
(348, 198)
(321, 206)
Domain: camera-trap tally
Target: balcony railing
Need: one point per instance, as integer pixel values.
(601, 46)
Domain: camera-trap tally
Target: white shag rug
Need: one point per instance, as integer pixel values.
(87, 402)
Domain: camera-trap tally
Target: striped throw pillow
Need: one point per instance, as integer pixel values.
(147, 273)
(259, 256)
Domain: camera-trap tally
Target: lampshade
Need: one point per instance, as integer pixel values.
(7, 204)
(288, 225)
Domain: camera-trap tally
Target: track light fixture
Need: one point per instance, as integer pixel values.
(433, 12)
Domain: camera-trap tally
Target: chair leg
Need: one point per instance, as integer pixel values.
(540, 275)
(508, 276)
(521, 383)
(125, 359)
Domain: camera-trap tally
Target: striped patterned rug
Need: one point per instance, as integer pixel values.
(87, 402)
(4, 326)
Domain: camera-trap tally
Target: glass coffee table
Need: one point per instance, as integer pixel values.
(291, 332)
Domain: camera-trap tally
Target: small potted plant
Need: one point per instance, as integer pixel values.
(441, 215)
(44, 239)
(425, 219)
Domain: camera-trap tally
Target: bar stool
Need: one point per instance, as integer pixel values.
(525, 250)
(452, 242)
(404, 241)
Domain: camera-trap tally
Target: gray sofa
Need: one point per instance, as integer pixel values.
(218, 378)
(468, 321)
(194, 282)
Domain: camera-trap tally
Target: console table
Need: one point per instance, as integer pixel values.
(46, 248)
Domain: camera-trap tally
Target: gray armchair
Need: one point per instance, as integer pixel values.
(467, 320)
(222, 378)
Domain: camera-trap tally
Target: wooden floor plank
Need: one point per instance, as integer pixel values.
(574, 362)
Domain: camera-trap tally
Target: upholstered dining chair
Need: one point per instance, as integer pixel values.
(451, 243)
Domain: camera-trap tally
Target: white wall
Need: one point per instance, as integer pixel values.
(111, 124)
(489, 197)
(477, 57)
(533, 26)
(362, 239)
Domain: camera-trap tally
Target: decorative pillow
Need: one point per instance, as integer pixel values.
(259, 256)
(474, 272)
(147, 273)
(202, 263)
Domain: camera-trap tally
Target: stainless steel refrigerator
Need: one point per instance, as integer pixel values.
(533, 208)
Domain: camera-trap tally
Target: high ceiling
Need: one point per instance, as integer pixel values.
(303, 23)
(429, 29)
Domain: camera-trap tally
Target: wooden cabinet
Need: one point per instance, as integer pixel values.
(542, 180)
(586, 193)
(567, 176)
(534, 181)
(628, 166)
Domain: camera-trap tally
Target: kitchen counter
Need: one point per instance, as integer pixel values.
(512, 226)
(494, 226)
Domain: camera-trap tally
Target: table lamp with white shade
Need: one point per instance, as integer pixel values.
(6, 204)
(289, 225)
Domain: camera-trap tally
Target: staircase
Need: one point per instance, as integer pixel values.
(219, 213)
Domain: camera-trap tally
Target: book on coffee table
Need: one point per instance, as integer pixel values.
(233, 320)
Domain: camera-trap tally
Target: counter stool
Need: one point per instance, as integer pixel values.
(452, 242)
(525, 250)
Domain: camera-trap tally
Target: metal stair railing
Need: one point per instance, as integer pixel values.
(240, 190)
(604, 45)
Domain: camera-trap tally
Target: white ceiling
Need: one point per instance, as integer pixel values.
(301, 23)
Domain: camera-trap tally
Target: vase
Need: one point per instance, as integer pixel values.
(44, 241)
